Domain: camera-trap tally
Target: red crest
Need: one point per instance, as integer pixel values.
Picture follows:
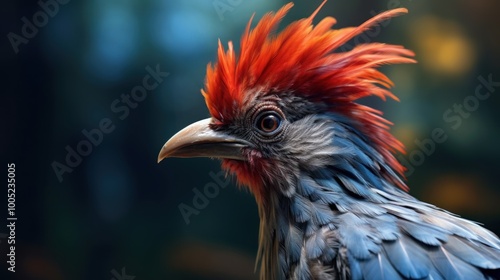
(302, 59)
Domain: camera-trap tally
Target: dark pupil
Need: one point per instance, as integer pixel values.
(269, 123)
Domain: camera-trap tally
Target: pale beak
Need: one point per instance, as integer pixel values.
(199, 140)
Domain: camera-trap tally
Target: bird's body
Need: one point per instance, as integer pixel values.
(331, 200)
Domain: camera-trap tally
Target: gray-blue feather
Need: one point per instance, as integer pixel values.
(343, 220)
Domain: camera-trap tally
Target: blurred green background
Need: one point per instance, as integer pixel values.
(116, 214)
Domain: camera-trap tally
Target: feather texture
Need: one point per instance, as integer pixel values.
(376, 232)
(331, 197)
(302, 59)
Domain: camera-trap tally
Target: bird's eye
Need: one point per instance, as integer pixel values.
(268, 122)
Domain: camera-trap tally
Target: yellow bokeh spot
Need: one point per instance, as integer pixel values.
(442, 47)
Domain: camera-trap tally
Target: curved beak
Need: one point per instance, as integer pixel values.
(199, 140)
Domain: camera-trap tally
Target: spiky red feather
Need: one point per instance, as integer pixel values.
(301, 59)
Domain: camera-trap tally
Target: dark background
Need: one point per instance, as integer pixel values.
(118, 208)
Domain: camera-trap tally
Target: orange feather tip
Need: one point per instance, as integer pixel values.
(268, 60)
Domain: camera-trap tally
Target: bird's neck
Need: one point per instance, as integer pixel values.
(354, 175)
(287, 222)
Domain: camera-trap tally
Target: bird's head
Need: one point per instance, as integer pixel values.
(287, 104)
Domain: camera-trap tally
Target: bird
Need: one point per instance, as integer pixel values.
(286, 120)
